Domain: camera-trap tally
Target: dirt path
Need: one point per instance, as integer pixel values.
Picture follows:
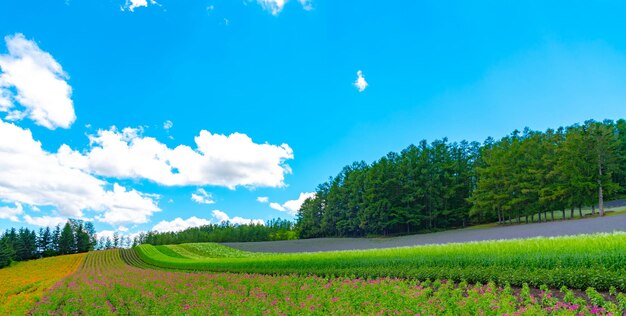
(560, 228)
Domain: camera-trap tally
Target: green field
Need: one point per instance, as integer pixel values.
(577, 275)
(579, 262)
(114, 282)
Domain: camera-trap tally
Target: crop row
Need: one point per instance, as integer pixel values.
(107, 285)
(23, 284)
(579, 262)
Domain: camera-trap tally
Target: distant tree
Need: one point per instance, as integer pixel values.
(83, 240)
(67, 242)
(56, 238)
(604, 145)
(6, 252)
(108, 244)
(116, 240)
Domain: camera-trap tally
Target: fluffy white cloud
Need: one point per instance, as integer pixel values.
(277, 207)
(220, 160)
(293, 206)
(32, 176)
(223, 217)
(201, 196)
(360, 82)
(11, 213)
(275, 6)
(131, 5)
(33, 79)
(179, 224)
(262, 199)
(45, 221)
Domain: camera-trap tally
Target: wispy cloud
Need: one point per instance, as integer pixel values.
(293, 206)
(202, 197)
(360, 82)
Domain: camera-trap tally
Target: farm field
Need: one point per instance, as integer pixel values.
(606, 224)
(24, 283)
(579, 262)
(106, 284)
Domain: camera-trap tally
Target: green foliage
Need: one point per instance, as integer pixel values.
(25, 244)
(6, 252)
(276, 229)
(576, 262)
(67, 244)
(523, 176)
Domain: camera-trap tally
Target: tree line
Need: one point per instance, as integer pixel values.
(524, 176)
(275, 229)
(24, 244)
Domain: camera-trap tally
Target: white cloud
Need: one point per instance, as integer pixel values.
(360, 82)
(179, 224)
(32, 176)
(11, 213)
(219, 160)
(262, 199)
(223, 217)
(168, 124)
(306, 4)
(127, 206)
(131, 5)
(33, 79)
(45, 221)
(276, 6)
(277, 206)
(201, 196)
(293, 206)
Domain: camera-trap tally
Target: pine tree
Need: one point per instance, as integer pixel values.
(67, 242)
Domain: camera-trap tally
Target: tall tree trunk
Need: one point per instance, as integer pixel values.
(601, 200)
(552, 215)
(593, 209)
(600, 193)
(571, 213)
(580, 210)
(526, 219)
(539, 213)
(563, 211)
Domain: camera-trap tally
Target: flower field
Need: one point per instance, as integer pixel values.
(106, 284)
(23, 284)
(577, 262)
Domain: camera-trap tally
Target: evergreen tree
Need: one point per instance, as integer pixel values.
(67, 243)
(6, 252)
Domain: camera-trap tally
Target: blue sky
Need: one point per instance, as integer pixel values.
(272, 85)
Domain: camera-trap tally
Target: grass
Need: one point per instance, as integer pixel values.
(597, 260)
(213, 250)
(22, 284)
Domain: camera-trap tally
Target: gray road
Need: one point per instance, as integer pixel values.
(560, 228)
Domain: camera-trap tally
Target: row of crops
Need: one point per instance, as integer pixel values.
(578, 262)
(24, 283)
(107, 284)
